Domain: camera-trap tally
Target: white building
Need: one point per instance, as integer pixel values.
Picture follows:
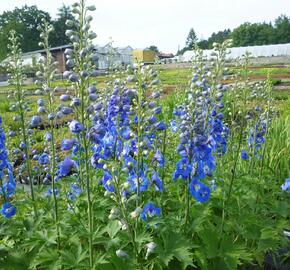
(109, 56)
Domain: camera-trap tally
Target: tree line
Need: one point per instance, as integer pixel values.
(25, 21)
(247, 34)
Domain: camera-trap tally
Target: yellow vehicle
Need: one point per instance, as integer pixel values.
(144, 56)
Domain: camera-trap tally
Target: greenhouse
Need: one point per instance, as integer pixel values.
(255, 51)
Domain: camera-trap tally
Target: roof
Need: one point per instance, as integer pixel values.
(59, 48)
(255, 51)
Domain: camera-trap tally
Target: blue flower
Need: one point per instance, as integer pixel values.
(8, 188)
(35, 121)
(97, 160)
(126, 133)
(49, 192)
(286, 185)
(244, 155)
(143, 182)
(8, 210)
(199, 191)
(159, 158)
(107, 182)
(173, 126)
(149, 211)
(157, 182)
(76, 189)
(75, 192)
(43, 159)
(76, 127)
(183, 169)
(160, 126)
(47, 136)
(66, 166)
(67, 144)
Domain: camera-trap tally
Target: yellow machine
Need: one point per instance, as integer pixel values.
(144, 56)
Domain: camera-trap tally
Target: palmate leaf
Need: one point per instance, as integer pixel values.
(47, 259)
(269, 239)
(174, 246)
(74, 258)
(210, 239)
(141, 239)
(112, 228)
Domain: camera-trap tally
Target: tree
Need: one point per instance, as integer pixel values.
(58, 36)
(25, 21)
(154, 49)
(248, 34)
(282, 31)
(191, 39)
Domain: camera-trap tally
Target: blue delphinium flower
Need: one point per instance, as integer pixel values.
(244, 155)
(183, 169)
(8, 188)
(286, 185)
(76, 127)
(35, 121)
(49, 192)
(202, 134)
(149, 211)
(67, 144)
(47, 136)
(43, 159)
(66, 166)
(157, 182)
(107, 182)
(7, 180)
(257, 136)
(74, 192)
(199, 191)
(8, 210)
(158, 157)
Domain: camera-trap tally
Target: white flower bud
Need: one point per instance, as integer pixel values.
(121, 253)
(126, 185)
(136, 213)
(150, 248)
(91, 8)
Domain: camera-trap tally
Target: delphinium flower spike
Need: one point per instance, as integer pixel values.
(203, 136)
(7, 183)
(80, 60)
(45, 78)
(17, 77)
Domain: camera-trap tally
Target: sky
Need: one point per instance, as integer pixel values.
(164, 23)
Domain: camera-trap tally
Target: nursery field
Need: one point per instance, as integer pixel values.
(144, 168)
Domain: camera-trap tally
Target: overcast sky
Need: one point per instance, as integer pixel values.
(164, 23)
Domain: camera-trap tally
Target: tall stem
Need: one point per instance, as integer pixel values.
(233, 176)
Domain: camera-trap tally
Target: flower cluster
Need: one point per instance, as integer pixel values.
(202, 133)
(256, 138)
(7, 182)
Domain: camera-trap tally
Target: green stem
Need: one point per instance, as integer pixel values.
(233, 176)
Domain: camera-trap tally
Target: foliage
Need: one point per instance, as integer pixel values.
(247, 34)
(154, 48)
(25, 21)
(124, 177)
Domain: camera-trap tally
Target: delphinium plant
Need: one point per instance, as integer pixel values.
(21, 107)
(131, 185)
(80, 60)
(7, 182)
(127, 138)
(48, 109)
(202, 134)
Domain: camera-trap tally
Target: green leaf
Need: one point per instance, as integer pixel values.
(112, 228)
(174, 245)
